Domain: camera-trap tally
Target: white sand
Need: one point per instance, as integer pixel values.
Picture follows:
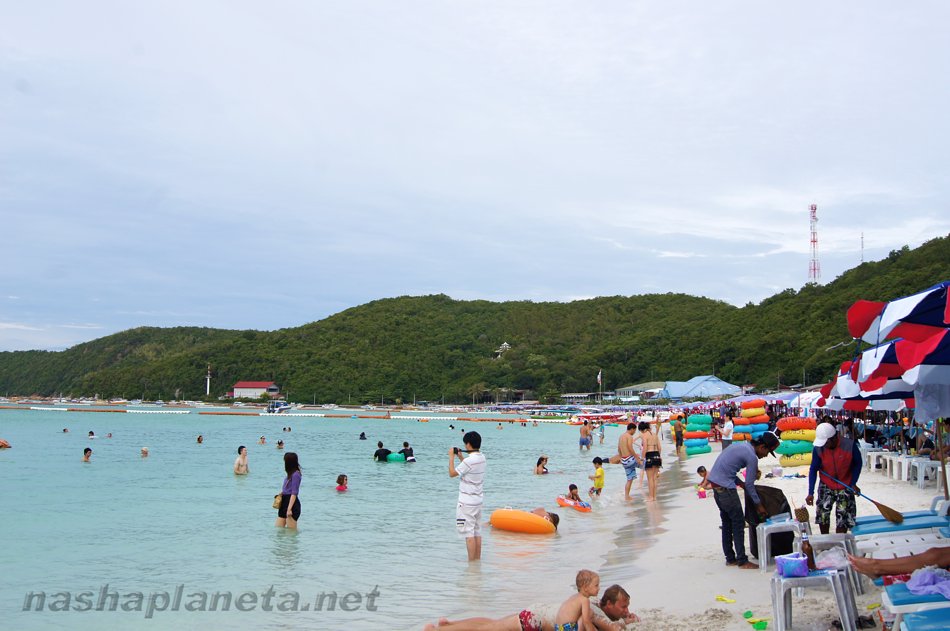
(687, 568)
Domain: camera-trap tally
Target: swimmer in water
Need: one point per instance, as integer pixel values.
(144, 452)
(65, 431)
(262, 441)
(201, 439)
(362, 435)
(92, 434)
(87, 454)
(4, 444)
(341, 481)
(240, 463)
(280, 444)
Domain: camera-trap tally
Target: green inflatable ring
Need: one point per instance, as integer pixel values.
(792, 447)
(701, 419)
(396, 458)
(695, 427)
(695, 451)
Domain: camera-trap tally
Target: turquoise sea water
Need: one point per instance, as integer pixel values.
(181, 518)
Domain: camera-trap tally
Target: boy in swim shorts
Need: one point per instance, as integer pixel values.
(598, 477)
(577, 607)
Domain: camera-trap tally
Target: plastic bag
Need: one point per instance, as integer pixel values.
(792, 565)
(832, 559)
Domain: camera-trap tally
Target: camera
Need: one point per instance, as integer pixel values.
(455, 450)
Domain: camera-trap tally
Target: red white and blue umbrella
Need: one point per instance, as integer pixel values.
(914, 317)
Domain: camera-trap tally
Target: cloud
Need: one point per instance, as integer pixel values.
(18, 326)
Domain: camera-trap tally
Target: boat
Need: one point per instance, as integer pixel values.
(276, 407)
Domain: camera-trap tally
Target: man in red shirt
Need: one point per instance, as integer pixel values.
(840, 458)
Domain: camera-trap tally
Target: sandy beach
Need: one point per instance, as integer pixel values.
(687, 570)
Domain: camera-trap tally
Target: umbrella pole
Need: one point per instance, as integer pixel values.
(943, 459)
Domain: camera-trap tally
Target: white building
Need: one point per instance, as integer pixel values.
(254, 389)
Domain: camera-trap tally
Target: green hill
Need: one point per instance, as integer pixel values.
(432, 347)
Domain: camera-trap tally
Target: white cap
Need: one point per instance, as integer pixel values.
(823, 433)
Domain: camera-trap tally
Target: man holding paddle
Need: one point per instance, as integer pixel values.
(838, 462)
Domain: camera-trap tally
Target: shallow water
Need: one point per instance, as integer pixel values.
(181, 518)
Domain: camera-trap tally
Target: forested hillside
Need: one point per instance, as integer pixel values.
(432, 347)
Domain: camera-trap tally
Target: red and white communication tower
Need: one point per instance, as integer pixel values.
(814, 267)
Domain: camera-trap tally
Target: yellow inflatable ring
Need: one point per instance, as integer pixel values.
(798, 460)
(799, 434)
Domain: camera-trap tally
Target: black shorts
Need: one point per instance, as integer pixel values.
(282, 511)
(679, 439)
(652, 460)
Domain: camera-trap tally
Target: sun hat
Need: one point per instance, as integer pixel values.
(824, 432)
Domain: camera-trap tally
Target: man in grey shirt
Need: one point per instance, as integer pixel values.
(722, 478)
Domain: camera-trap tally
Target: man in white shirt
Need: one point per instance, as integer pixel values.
(471, 471)
(727, 429)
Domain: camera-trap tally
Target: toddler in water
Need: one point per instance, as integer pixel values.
(341, 482)
(577, 607)
(598, 477)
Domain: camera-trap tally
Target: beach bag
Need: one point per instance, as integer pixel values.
(792, 565)
(276, 503)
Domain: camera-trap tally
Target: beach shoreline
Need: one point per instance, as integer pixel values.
(668, 554)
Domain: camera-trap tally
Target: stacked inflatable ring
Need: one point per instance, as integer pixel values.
(697, 434)
(752, 422)
(798, 436)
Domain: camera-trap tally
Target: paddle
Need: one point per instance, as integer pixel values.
(887, 512)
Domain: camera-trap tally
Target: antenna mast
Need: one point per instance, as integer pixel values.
(814, 267)
(208, 381)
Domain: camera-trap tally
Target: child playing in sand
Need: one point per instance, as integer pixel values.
(703, 484)
(598, 478)
(577, 608)
(341, 481)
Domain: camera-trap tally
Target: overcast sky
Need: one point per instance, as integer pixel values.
(262, 165)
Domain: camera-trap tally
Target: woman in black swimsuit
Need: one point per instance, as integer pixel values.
(651, 458)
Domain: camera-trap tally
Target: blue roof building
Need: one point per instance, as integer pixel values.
(703, 387)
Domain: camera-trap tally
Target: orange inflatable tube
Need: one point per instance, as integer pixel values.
(741, 436)
(762, 418)
(754, 403)
(521, 521)
(582, 507)
(796, 422)
(695, 434)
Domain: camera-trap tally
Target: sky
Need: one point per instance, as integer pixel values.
(252, 165)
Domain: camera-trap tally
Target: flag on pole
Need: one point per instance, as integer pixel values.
(598, 376)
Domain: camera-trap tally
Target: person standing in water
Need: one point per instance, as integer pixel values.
(407, 452)
(87, 454)
(468, 513)
(289, 511)
(651, 458)
(240, 463)
(585, 439)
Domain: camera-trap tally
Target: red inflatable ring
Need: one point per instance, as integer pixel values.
(796, 422)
